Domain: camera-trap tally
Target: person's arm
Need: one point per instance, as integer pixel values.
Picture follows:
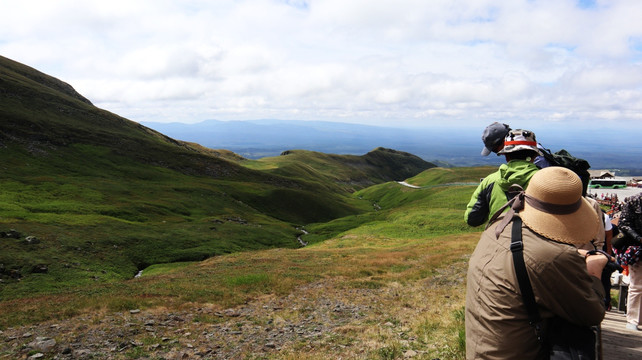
(607, 242)
(478, 209)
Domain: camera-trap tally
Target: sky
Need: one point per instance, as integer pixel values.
(398, 62)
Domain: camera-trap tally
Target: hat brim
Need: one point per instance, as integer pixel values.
(513, 148)
(577, 228)
(486, 151)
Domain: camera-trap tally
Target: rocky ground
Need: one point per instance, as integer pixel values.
(313, 322)
(257, 329)
(192, 333)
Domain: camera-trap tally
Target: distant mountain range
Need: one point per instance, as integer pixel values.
(263, 138)
(604, 148)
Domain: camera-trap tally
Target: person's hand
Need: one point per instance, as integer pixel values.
(583, 252)
(595, 264)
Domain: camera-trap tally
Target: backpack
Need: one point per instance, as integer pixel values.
(564, 159)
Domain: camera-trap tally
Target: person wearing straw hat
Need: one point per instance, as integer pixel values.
(520, 149)
(566, 283)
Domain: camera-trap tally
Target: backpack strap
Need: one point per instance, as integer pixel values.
(517, 247)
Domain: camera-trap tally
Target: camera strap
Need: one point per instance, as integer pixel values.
(517, 247)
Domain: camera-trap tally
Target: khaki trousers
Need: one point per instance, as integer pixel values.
(634, 300)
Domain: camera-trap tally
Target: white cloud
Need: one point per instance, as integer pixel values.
(366, 61)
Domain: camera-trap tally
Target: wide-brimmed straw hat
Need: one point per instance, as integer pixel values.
(559, 211)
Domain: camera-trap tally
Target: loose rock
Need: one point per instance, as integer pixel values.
(32, 240)
(42, 344)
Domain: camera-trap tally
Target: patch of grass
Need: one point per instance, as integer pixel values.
(389, 352)
(435, 330)
(158, 269)
(136, 352)
(426, 329)
(615, 298)
(249, 280)
(460, 327)
(124, 303)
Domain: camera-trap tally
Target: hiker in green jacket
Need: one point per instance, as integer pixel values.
(520, 150)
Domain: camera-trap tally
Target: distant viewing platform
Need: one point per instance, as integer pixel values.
(621, 193)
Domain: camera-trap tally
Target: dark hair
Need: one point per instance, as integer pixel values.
(521, 155)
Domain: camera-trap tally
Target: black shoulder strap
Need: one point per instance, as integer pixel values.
(517, 247)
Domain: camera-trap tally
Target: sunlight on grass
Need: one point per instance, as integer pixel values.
(419, 285)
(392, 279)
(164, 268)
(249, 280)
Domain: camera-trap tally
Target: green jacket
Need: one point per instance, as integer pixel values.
(492, 192)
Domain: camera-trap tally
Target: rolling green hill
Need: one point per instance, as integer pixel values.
(400, 266)
(342, 172)
(434, 208)
(101, 197)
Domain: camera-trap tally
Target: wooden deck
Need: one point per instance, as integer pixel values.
(618, 342)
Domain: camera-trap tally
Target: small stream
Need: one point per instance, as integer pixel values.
(303, 243)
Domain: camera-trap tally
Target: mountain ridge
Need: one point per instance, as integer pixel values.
(32, 74)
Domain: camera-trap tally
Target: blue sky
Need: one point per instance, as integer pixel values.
(402, 62)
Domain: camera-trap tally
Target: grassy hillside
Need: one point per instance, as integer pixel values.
(101, 218)
(105, 197)
(447, 176)
(44, 114)
(384, 283)
(342, 172)
(434, 209)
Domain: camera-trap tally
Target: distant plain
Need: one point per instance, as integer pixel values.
(446, 145)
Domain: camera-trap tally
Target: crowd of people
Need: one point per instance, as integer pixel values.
(630, 224)
(564, 241)
(611, 201)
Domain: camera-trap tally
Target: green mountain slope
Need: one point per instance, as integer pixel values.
(342, 172)
(105, 197)
(417, 237)
(433, 207)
